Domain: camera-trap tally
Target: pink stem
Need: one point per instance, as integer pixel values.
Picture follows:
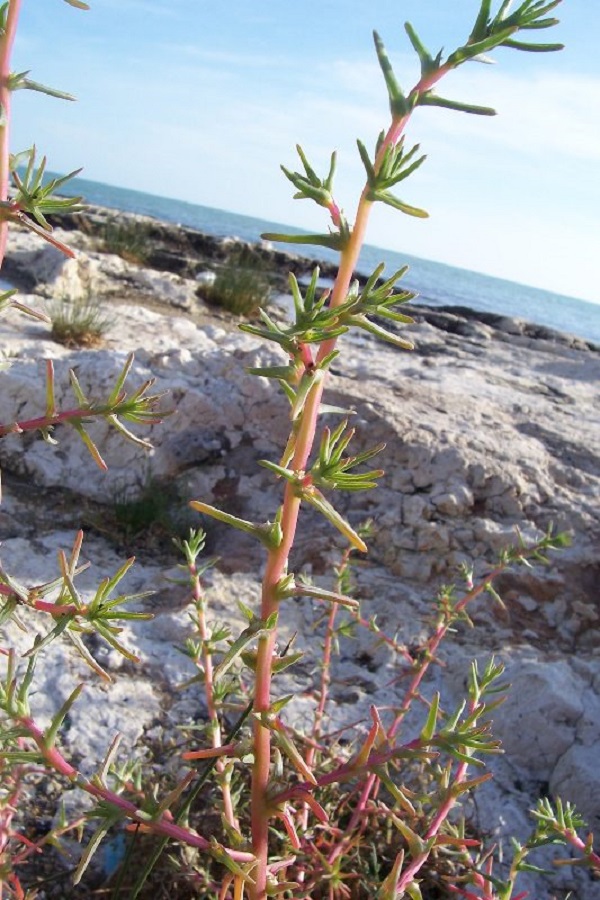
(6, 45)
(162, 826)
(573, 838)
(277, 560)
(45, 421)
(223, 768)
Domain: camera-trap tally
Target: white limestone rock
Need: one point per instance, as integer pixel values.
(486, 431)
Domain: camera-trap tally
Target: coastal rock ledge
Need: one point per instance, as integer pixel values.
(491, 428)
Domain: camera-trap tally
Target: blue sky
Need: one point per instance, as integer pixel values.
(203, 100)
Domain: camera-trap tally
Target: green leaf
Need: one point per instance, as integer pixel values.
(391, 200)
(416, 845)
(399, 105)
(281, 471)
(280, 704)
(428, 63)
(78, 4)
(472, 50)
(19, 81)
(463, 787)
(431, 724)
(316, 499)
(248, 636)
(481, 22)
(281, 663)
(102, 830)
(366, 160)
(107, 586)
(40, 644)
(533, 48)
(332, 241)
(264, 533)
(90, 445)
(301, 589)
(309, 383)
(52, 731)
(430, 99)
(378, 331)
(87, 656)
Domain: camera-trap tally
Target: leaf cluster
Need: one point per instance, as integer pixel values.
(316, 322)
(310, 187)
(489, 32)
(138, 407)
(37, 197)
(394, 166)
(70, 613)
(332, 471)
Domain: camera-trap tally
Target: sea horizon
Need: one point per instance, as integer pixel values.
(436, 283)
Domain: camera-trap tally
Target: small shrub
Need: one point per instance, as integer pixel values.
(155, 510)
(78, 322)
(129, 240)
(241, 286)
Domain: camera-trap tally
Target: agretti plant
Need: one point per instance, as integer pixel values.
(302, 815)
(310, 343)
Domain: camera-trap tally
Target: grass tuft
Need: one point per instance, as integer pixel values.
(241, 286)
(129, 240)
(78, 322)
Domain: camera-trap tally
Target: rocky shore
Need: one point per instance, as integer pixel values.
(491, 426)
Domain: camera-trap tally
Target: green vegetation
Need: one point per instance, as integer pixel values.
(78, 322)
(264, 806)
(241, 286)
(129, 240)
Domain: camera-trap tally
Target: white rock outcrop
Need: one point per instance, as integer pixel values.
(486, 431)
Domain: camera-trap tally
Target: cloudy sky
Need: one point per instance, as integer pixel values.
(203, 100)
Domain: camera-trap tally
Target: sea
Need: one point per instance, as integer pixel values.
(437, 284)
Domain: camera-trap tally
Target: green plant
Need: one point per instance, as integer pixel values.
(154, 511)
(78, 321)
(241, 285)
(294, 814)
(126, 239)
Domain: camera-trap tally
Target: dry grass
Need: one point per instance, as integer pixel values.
(78, 322)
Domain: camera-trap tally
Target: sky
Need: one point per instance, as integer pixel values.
(202, 100)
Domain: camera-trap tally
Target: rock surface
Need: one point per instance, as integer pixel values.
(490, 425)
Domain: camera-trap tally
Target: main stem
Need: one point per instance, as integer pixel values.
(277, 567)
(6, 44)
(277, 560)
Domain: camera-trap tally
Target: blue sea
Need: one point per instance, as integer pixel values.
(437, 284)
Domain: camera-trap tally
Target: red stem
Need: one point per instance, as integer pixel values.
(411, 693)
(277, 561)
(223, 767)
(44, 421)
(163, 826)
(6, 45)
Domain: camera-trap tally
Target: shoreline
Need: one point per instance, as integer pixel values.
(186, 252)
